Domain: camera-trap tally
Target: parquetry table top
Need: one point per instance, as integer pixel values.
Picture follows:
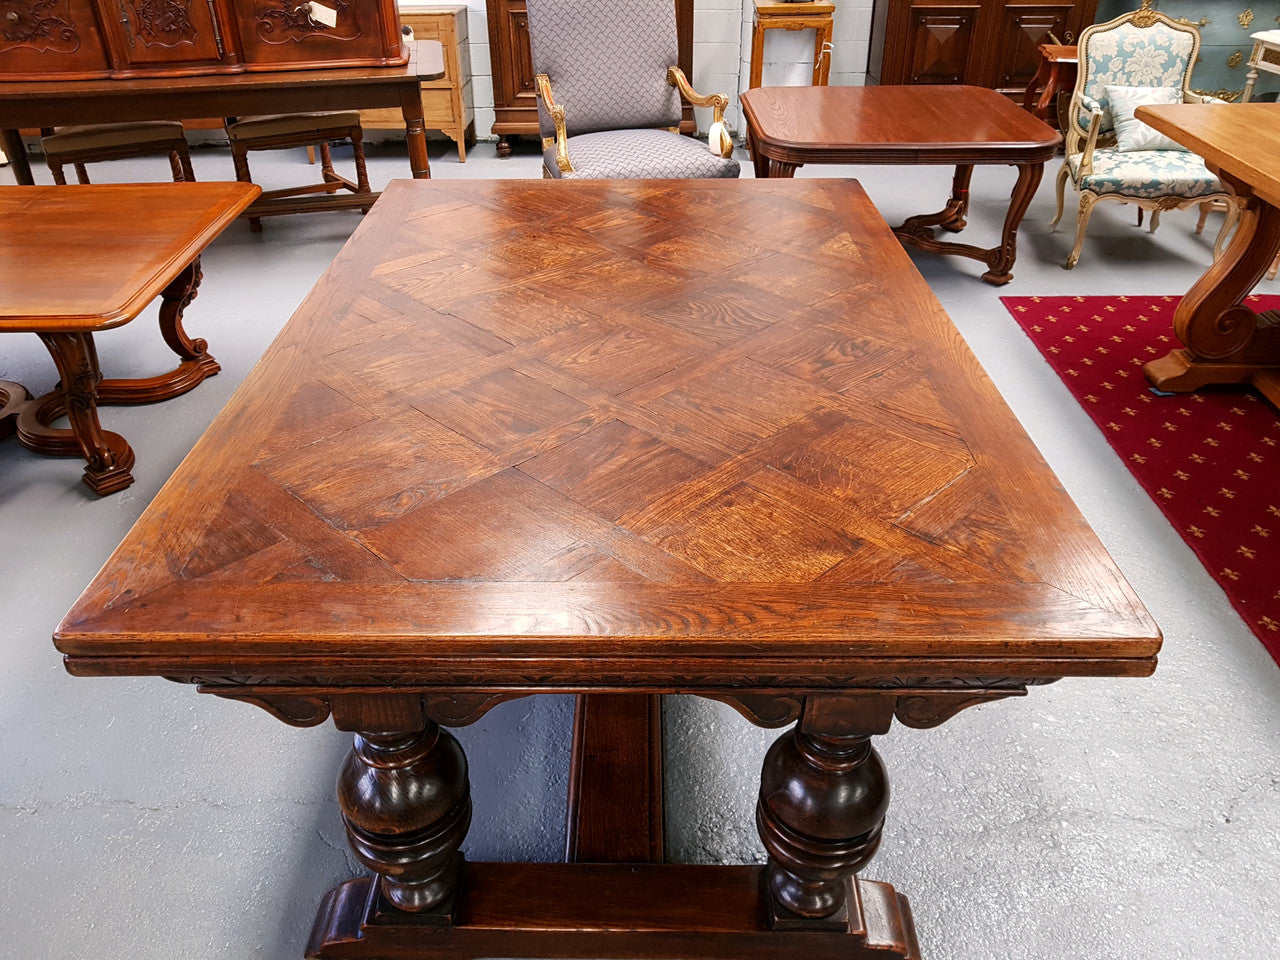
(645, 435)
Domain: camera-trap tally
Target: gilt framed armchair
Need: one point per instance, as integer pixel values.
(1140, 58)
(609, 94)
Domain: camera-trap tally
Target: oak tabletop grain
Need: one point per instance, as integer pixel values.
(883, 124)
(90, 257)
(659, 430)
(1242, 139)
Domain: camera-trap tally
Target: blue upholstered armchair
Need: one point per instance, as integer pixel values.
(609, 94)
(1140, 58)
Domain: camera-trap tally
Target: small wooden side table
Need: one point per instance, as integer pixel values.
(815, 15)
(1058, 67)
(75, 261)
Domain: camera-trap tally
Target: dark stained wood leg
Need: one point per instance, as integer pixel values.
(406, 804)
(196, 363)
(1224, 341)
(415, 134)
(504, 148)
(1000, 260)
(15, 150)
(823, 798)
(951, 217)
(13, 397)
(615, 780)
(919, 231)
(781, 170)
(108, 455)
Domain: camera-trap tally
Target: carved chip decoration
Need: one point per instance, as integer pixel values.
(163, 23)
(291, 21)
(42, 25)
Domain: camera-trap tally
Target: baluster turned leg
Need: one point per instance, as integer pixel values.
(823, 798)
(406, 804)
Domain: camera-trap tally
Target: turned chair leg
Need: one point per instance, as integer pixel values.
(55, 168)
(362, 170)
(81, 173)
(240, 160)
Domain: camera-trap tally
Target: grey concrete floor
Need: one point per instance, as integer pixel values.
(1092, 819)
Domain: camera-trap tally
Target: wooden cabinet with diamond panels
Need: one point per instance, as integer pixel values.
(983, 43)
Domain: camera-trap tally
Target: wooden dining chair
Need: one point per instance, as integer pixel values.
(79, 145)
(286, 130)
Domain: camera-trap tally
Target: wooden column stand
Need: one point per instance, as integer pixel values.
(814, 15)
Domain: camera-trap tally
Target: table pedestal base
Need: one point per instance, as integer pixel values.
(669, 911)
(81, 389)
(1225, 341)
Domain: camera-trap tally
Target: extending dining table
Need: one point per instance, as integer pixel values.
(1223, 339)
(79, 262)
(616, 439)
(908, 125)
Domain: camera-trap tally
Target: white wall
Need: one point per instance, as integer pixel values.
(721, 53)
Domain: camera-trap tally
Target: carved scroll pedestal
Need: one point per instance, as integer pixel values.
(1224, 341)
(81, 389)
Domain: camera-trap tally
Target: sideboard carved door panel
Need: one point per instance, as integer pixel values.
(277, 33)
(63, 35)
(147, 33)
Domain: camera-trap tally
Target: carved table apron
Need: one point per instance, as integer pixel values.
(619, 439)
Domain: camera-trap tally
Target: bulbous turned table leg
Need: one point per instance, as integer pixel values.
(823, 798)
(406, 804)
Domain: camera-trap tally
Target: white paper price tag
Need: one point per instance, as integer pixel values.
(322, 14)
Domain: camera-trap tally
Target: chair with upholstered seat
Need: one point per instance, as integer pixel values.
(609, 94)
(116, 141)
(282, 131)
(1140, 58)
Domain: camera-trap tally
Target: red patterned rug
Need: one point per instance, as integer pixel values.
(1209, 459)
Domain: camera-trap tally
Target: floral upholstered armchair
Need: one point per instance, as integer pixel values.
(1140, 58)
(609, 93)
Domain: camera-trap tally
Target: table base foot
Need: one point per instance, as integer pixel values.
(13, 397)
(658, 911)
(1179, 372)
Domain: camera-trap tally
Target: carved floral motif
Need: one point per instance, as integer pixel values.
(164, 23)
(44, 25)
(290, 21)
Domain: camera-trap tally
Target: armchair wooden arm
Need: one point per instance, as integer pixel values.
(717, 101)
(1095, 125)
(543, 83)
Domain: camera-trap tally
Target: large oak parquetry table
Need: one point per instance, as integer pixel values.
(25, 105)
(1223, 339)
(788, 127)
(618, 439)
(79, 261)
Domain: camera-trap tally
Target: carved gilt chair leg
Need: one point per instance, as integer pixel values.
(1060, 187)
(1087, 200)
(1155, 219)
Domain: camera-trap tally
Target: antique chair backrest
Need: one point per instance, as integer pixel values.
(607, 62)
(1140, 49)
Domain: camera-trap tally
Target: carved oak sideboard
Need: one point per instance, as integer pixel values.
(91, 39)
